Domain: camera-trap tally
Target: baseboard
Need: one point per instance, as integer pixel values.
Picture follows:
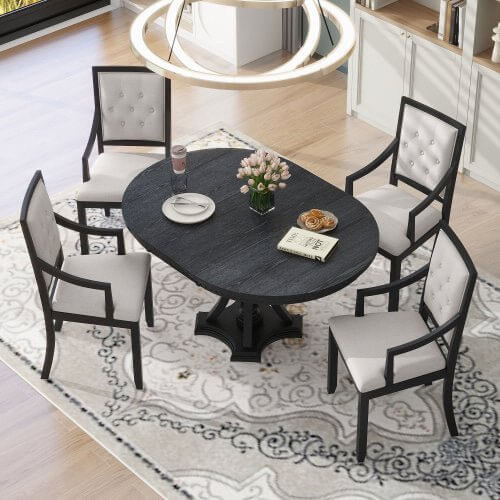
(59, 26)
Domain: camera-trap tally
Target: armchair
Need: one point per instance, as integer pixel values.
(132, 108)
(97, 289)
(425, 156)
(391, 351)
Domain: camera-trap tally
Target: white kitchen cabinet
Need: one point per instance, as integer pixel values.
(390, 62)
(482, 147)
(397, 54)
(379, 68)
(432, 75)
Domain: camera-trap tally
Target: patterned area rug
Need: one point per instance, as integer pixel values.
(206, 428)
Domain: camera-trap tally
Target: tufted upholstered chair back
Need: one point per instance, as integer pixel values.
(39, 225)
(133, 106)
(430, 145)
(447, 288)
(426, 147)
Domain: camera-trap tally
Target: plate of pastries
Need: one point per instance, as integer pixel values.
(318, 221)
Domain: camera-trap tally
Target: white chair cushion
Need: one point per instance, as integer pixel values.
(363, 342)
(128, 275)
(446, 281)
(110, 175)
(132, 106)
(390, 206)
(425, 148)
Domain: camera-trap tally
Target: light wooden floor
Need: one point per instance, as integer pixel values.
(46, 103)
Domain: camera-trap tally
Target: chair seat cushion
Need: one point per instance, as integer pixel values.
(390, 206)
(110, 175)
(128, 275)
(363, 342)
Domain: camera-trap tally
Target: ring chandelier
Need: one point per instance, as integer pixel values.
(296, 69)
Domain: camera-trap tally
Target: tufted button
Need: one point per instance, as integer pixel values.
(416, 134)
(437, 162)
(421, 153)
(131, 109)
(123, 124)
(412, 163)
(448, 279)
(405, 144)
(141, 95)
(151, 110)
(122, 94)
(141, 124)
(433, 142)
(427, 171)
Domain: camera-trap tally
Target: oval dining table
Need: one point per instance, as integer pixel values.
(234, 253)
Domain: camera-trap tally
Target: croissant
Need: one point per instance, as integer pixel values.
(313, 223)
(315, 212)
(327, 222)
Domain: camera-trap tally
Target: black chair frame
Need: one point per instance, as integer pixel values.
(442, 193)
(97, 134)
(436, 332)
(54, 319)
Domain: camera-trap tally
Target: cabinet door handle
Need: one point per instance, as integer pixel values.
(408, 36)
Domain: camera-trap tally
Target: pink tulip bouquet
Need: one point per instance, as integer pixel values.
(265, 173)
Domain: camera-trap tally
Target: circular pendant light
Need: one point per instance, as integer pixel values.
(297, 69)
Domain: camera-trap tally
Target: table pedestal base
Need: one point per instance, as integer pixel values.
(248, 328)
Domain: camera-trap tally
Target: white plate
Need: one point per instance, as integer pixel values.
(327, 214)
(183, 208)
(174, 215)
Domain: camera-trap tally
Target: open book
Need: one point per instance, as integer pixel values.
(307, 244)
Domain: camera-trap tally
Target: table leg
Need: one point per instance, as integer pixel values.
(282, 313)
(248, 328)
(247, 325)
(216, 311)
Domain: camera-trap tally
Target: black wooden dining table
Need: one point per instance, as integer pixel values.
(234, 253)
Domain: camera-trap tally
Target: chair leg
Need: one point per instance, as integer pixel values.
(333, 359)
(448, 406)
(82, 219)
(49, 348)
(361, 438)
(58, 323)
(394, 275)
(148, 303)
(136, 356)
(107, 212)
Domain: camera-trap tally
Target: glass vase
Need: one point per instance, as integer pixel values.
(261, 202)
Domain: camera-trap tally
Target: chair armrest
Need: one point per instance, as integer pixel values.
(88, 149)
(415, 344)
(388, 151)
(96, 231)
(433, 195)
(381, 289)
(83, 282)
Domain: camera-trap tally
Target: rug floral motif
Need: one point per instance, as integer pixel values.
(210, 429)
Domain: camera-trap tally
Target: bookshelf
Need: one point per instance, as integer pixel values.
(397, 55)
(484, 59)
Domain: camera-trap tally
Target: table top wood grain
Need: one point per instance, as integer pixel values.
(233, 254)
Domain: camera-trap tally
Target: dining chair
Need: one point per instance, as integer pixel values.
(105, 289)
(425, 156)
(390, 351)
(132, 108)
